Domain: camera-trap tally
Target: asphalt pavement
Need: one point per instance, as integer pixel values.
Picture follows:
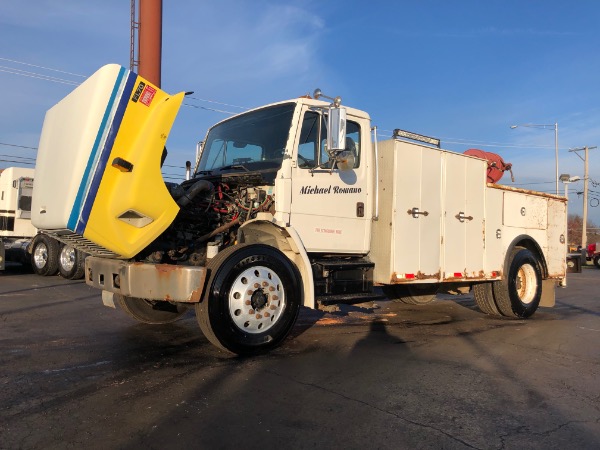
(76, 374)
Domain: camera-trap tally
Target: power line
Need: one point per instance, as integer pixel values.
(475, 142)
(20, 146)
(18, 162)
(19, 157)
(174, 167)
(530, 184)
(42, 67)
(209, 109)
(450, 140)
(218, 103)
(39, 76)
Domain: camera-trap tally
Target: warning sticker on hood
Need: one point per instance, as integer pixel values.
(147, 95)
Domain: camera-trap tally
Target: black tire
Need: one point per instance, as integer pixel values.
(518, 294)
(44, 255)
(484, 299)
(252, 299)
(597, 261)
(153, 312)
(411, 294)
(71, 263)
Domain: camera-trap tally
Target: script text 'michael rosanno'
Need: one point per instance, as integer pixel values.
(329, 190)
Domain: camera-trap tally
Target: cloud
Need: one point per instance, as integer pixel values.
(251, 47)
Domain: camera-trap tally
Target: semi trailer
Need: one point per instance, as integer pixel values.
(20, 241)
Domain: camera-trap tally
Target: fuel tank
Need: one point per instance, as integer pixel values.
(98, 169)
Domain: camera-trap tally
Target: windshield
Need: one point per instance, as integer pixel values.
(251, 141)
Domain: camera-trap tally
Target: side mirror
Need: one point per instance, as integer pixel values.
(336, 129)
(345, 160)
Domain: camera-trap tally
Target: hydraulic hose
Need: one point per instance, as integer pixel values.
(195, 189)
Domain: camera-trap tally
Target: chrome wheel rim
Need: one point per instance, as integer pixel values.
(256, 300)
(40, 255)
(67, 258)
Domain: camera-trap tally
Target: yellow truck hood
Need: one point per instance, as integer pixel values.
(98, 172)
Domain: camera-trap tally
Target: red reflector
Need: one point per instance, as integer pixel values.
(494, 274)
(410, 275)
(457, 275)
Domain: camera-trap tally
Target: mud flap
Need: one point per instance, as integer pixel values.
(548, 293)
(108, 299)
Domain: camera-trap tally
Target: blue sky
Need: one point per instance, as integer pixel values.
(463, 71)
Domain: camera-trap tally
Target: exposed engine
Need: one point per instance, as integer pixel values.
(212, 210)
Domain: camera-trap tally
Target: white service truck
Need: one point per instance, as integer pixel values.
(292, 204)
(19, 239)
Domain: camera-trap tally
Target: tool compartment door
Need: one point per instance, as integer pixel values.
(464, 189)
(417, 213)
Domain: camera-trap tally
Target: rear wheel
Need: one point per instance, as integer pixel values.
(252, 299)
(71, 263)
(519, 293)
(152, 312)
(412, 294)
(44, 255)
(597, 261)
(484, 299)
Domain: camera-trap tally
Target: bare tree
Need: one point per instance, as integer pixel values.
(574, 229)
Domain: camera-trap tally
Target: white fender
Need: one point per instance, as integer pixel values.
(287, 240)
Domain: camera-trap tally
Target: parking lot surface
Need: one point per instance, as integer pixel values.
(75, 374)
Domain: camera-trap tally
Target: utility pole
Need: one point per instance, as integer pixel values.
(147, 27)
(585, 191)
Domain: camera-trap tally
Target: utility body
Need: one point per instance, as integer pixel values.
(292, 204)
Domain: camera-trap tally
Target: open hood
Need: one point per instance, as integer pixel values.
(98, 172)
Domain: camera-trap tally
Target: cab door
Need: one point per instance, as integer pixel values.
(330, 208)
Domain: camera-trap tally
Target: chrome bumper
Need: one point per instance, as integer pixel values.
(149, 281)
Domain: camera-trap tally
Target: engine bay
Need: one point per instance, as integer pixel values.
(212, 210)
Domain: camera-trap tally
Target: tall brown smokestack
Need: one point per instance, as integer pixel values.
(150, 40)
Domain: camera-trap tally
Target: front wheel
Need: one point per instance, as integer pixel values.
(153, 312)
(252, 299)
(519, 293)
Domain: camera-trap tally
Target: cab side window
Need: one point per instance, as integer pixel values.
(309, 137)
(312, 151)
(353, 141)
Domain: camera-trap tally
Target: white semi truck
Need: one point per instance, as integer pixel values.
(19, 239)
(292, 204)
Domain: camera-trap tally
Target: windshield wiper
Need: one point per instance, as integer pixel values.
(205, 172)
(235, 166)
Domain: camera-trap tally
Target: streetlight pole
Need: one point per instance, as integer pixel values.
(585, 191)
(545, 127)
(556, 152)
(567, 179)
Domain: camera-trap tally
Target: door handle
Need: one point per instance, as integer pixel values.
(461, 217)
(415, 212)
